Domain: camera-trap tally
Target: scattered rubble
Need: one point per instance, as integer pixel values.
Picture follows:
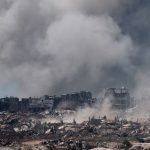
(37, 124)
(25, 131)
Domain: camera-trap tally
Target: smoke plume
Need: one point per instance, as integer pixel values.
(50, 47)
(56, 46)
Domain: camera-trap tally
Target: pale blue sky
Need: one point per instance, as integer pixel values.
(8, 89)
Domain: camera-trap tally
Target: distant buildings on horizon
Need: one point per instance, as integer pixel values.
(46, 102)
(119, 98)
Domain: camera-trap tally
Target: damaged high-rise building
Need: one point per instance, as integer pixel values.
(10, 104)
(74, 100)
(119, 98)
(46, 102)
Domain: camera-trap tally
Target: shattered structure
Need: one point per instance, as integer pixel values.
(27, 131)
(46, 102)
(41, 104)
(24, 125)
(119, 98)
(10, 104)
(73, 100)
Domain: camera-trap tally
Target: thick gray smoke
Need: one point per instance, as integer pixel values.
(55, 46)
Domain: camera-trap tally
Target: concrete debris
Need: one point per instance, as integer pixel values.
(37, 124)
(23, 131)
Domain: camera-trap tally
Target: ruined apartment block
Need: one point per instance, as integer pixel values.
(119, 98)
(46, 102)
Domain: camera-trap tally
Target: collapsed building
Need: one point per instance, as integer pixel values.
(119, 98)
(46, 102)
(73, 100)
(27, 131)
(13, 104)
(47, 132)
(10, 104)
(41, 104)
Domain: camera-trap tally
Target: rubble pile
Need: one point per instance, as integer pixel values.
(52, 123)
(28, 131)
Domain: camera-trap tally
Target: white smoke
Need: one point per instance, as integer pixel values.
(55, 46)
(52, 46)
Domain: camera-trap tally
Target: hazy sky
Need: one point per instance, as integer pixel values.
(58, 46)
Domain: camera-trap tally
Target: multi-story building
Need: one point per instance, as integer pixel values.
(10, 104)
(46, 102)
(119, 98)
(74, 100)
(41, 104)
